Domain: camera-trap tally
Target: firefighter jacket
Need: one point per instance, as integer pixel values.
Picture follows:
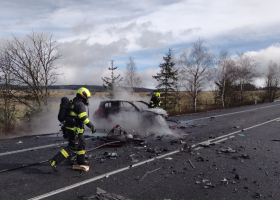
(77, 117)
(154, 102)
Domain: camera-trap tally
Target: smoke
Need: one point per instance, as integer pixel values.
(131, 121)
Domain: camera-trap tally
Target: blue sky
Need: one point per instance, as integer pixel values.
(94, 32)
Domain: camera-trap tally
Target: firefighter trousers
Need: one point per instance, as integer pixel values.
(76, 146)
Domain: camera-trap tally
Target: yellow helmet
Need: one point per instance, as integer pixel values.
(84, 92)
(157, 94)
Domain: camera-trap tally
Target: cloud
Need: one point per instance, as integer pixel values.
(264, 56)
(152, 39)
(81, 54)
(82, 28)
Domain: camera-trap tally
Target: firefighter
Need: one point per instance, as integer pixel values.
(74, 125)
(155, 101)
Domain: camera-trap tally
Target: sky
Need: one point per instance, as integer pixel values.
(92, 33)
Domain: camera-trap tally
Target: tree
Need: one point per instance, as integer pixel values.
(195, 68)
(272, 82)
(30, 65)
(111, 83)
(246, 71)
(224, 75)
(167, 77)
(131, 78)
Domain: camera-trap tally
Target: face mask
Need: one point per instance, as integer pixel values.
(86, 102)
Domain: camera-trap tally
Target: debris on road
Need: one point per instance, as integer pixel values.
(228, 150)
(237, 176)
(191, 163)
(187, 148)
(19, 142)
(224, 181)
(148, 172)
(103, 195)
(81, 167)
(242, 135)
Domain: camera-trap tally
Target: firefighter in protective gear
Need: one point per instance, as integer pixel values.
(74, 125)
(155, 101)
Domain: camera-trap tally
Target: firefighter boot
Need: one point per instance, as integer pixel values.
(81, 160)
(58, 158)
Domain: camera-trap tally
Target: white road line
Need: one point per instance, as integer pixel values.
(126, 168)
(229, 113)
(29, 149)
(34, 148)
(217, 142)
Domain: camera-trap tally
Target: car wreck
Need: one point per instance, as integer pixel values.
(130, 110)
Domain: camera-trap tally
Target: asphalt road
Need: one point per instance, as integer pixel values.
(226, 162)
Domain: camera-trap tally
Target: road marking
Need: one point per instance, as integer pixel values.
(30, 149)
(135, 165)
(34, 148)
(228, 113)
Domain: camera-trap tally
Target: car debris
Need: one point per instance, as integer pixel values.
(81, 167)
(19, 142)
(117, 133)
(187, 148)
(148, 172)
(103, 195)
(224, 181)
(191, 163)
(242, 135)
(228, 150)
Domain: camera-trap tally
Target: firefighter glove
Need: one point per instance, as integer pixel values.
(93, 130)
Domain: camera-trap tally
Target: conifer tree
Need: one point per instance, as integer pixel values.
(111, 83)
(167, 77)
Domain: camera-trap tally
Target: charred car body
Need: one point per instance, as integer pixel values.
(129, 111)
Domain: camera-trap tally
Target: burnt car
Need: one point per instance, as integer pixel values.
(137, 112)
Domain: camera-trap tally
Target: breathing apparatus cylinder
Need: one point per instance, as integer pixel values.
(63, 110)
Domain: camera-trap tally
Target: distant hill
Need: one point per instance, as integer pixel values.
(95, 88)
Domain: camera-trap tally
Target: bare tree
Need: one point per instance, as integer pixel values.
(195, 68)
(272, 81)
(224, 74)
(246, 71)
(131, 77)
(8, 110)
(30, 64)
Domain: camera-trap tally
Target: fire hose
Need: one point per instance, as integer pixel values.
(44, 161)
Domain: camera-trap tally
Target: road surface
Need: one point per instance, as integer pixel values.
(235, 155)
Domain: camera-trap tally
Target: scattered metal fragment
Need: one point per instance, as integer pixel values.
(256, 195)
(205, 144)
(191, 163)
(187, 148)
(236, 127)
(237, 176)
(168, 158)
(148, 172)
(245, 156)
(224, 181)
(103, 195)
(242, 134)
(228, 150)
(19, 142)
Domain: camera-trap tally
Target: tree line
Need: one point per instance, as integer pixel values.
(197, 67)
